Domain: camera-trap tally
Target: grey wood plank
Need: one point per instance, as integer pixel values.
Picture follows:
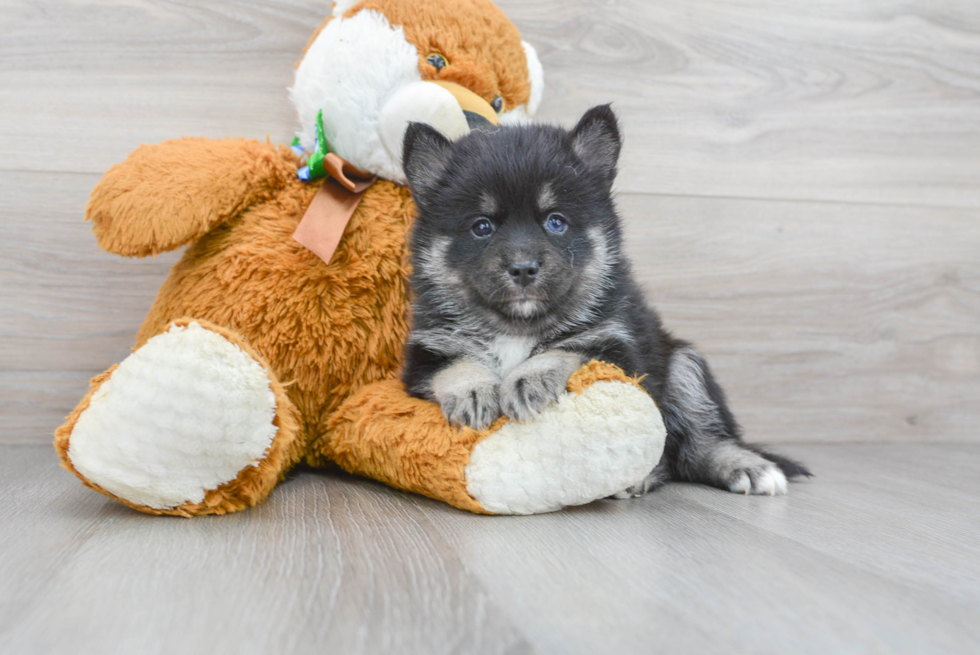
(825, 322)
(682, 580)
(857, 101)
(321, 567)
(831, 576)
(107, 76)
(66, 304)
(911, 512)
(333, 562)
(34, 403)
(835, 100)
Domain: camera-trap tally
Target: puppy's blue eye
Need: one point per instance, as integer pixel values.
(482, 227)
(556, 223)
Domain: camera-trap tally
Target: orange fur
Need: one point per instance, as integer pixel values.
(171, 194)
(325, 329)
(596, 371)
(383, 433)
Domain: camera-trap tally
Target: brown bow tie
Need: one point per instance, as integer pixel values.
(326, 218)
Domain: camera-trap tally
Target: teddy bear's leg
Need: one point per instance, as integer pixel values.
(601, 437)
(193, 422)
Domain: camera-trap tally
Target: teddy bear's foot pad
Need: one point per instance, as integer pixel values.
(584, 447)
(182, 415)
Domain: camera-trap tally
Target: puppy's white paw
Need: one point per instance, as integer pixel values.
(537, 383)
(764, 480)
(731, 465)
(469, 394)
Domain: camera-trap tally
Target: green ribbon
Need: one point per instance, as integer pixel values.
(315, 162)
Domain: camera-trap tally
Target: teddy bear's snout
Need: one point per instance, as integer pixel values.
(450, 108)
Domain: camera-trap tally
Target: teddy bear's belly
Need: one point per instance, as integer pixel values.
(324, 329)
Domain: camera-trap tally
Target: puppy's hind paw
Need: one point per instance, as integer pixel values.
(763, 480)
(733, 466)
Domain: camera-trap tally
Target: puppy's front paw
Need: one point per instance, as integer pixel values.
(476, 406)
(537, 383)
(469, 395)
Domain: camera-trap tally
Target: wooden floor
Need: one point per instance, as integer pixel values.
(801, 190)
(880, 553)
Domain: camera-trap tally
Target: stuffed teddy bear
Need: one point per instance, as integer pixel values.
(277, 337)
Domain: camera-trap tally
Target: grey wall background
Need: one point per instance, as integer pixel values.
(801, 183)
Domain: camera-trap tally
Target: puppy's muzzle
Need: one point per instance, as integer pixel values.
(523, 273)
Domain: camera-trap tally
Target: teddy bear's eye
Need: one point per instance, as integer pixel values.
(497, 103)
(437, 61)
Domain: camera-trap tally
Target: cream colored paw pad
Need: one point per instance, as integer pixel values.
(584, 447)
(182, 415)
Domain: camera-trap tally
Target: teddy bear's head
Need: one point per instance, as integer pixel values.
(375, 65)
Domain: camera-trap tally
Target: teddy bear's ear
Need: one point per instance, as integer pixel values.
(340, 7)
(425, 153)
(597, 142)
(535, 78)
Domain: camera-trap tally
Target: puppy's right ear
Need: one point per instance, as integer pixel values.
(425, 153)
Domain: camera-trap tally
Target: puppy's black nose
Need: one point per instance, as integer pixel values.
(523, 273)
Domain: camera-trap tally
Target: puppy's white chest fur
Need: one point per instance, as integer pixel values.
(508, 352)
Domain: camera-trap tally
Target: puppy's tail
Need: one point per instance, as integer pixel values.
(790, 467)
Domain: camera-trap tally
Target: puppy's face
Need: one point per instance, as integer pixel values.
(516, 221)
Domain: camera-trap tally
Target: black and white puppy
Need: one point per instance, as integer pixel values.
(519, 278)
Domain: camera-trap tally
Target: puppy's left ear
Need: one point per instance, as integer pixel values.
(597, 142)
(425, 153)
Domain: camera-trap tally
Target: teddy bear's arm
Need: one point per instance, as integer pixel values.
(163, 196)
